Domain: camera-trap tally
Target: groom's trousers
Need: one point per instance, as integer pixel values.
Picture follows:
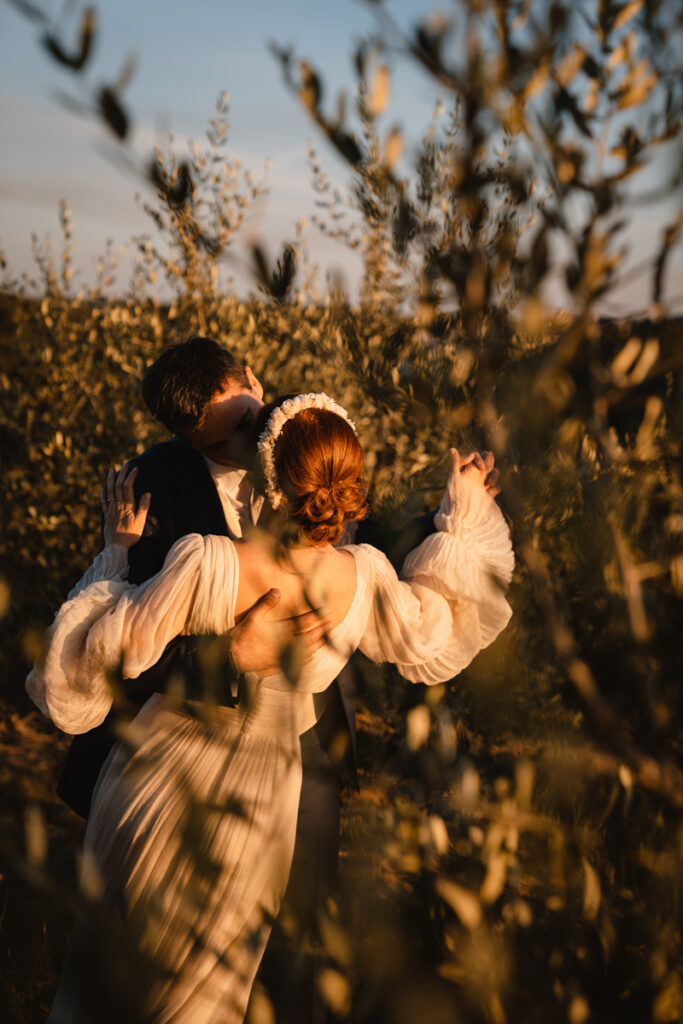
(288, 969)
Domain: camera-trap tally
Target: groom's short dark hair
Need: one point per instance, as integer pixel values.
(179, 385)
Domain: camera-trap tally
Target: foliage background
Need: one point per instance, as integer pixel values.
(515, 851)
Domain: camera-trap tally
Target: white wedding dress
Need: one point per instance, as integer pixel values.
(191, 836)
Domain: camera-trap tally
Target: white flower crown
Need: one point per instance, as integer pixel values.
(276, 421)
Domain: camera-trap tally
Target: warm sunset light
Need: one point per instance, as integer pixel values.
(342, 558)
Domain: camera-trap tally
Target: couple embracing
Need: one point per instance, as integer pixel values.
(208, 814)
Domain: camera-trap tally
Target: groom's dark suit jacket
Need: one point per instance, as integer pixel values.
(185, 500)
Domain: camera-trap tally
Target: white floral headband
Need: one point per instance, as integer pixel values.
(276, 421)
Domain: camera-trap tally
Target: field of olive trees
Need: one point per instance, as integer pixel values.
(515, 852)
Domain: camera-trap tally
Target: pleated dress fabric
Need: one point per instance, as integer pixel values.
(193, 821)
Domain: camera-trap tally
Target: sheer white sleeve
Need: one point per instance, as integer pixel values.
(449, 603)
(110, 564)
(107, 623)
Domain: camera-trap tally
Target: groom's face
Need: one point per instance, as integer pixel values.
(227, 431)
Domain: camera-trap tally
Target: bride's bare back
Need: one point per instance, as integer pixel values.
(324, 577)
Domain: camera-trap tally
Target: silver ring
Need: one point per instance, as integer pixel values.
(110, 500)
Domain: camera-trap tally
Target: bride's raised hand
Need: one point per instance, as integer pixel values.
(480, 466)
(123, 521)
(469, 504)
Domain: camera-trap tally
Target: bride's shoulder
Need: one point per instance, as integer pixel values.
(197, 546)
(369, 558)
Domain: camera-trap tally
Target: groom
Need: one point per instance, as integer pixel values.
(200, 483)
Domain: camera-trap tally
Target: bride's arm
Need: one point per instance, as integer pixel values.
(449, 603)
(398, 543)
(107, 624)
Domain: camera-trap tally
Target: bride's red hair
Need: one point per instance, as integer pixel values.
(319, 467)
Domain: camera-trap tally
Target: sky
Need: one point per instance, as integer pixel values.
(187, 54)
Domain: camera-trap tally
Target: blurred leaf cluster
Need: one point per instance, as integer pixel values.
(518, 852)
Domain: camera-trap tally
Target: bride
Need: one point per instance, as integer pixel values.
(192, 828)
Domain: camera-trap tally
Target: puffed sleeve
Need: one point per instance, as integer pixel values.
(107, 624)
(449, 602)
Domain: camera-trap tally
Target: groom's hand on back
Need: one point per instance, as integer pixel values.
(256, 646)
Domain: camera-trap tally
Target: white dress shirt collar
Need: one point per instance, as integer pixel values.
(241, 505)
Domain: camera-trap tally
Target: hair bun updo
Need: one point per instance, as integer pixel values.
(322, 513)
(319, 466)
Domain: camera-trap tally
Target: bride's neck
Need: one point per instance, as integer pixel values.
(306, 550)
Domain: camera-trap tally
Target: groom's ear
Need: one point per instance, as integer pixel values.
(254, 382)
